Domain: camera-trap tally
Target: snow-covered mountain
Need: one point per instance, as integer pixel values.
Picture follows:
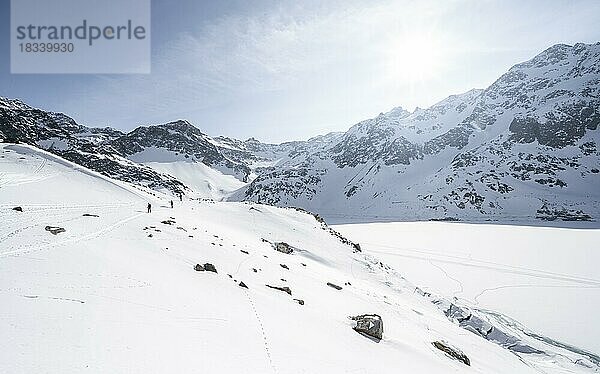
(175, 156)
(91, 282)
(523, 149)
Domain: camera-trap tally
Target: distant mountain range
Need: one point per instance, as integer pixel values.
(524, 149)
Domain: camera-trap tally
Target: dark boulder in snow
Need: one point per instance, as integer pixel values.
(453, 352)
(18, 209)
(55, 230)
(284, 266)
(285, 289)
(283, 247)
(300, 301)
(199, 267)
(370, 325)
(334, 286)
(210, 267)
(243, 285)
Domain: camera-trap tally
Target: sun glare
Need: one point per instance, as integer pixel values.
(414, 58)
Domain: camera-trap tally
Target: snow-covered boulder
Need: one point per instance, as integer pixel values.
(370, 325)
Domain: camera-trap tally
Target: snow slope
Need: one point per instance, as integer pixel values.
(117, 292)
(203, 181)
(545, 277)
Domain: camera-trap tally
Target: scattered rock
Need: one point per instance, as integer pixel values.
(283, 247)
(18, 209)
(149, 235)
(347, 284)
(303, 264)
(243, 285)
(300, 301)
(285, 289)
(246, 252)
(284, 266)
(254, 270)
(181, 228)
(210, 267)
(92, 215)
(199, 267)
(168, 222)
(451, 351)
(55, 230)
(370, 325)
(334, 286)
(356, 247)
(190, 236)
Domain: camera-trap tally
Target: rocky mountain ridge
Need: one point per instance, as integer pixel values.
(523, 149)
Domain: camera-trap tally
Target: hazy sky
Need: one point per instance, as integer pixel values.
(284, 70)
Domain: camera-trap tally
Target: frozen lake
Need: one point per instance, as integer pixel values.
(547, 278)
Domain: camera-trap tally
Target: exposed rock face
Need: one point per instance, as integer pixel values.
(182, 139)
(18, 209)
(210, 267)
(370, 325)
(452, 351)
(89, 147)
(283, 247)
(199, 267)
(285, 289)
(55, 230)
(334, 286)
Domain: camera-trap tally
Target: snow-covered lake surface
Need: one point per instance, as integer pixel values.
(546, 278)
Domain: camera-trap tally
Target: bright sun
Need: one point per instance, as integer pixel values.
(414, 58)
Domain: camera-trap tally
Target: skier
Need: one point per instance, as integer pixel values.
(171, 204)
(149, 208)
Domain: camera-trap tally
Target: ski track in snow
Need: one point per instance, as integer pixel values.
(460, 285)
(488, 265)
(91, 235)
(262, 331)
(508, 286)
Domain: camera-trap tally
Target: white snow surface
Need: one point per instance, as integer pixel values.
(203, 181)
(106, 297)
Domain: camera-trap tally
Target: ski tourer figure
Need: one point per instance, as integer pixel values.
(149, 208)
(171, 204)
